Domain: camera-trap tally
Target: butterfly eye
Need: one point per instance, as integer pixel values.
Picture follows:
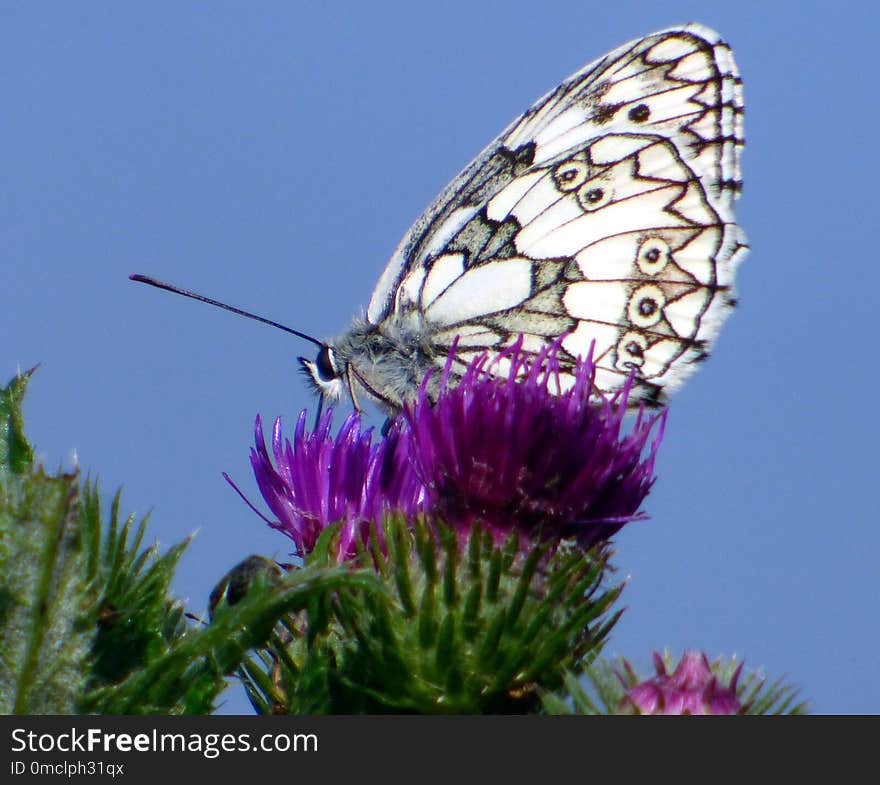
(570, 175)
(653, 255)
(325, 364)
(594, 195)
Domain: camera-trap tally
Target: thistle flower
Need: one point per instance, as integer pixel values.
(511, 454)
(691, 689)
(318, 480)
(504, 452)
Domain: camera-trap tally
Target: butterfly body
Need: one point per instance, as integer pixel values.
(603, 217)
(386, 361)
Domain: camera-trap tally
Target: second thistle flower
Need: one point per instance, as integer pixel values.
(511, 454)
(318, 479)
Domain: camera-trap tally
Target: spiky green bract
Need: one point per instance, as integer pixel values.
(16, 455)
(44, 642)
(88, 623)
(187, 676)
(146, 658)
(82, 613)
(459, 627)
(135, 618)
(604, 686)
(77, 609)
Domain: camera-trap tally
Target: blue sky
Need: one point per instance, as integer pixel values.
(272, 155)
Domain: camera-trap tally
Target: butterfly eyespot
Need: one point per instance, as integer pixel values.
(592, 196)
(631, 351)
(571, 175)
(325, 364)
(640, 113)
(653, 256)
(646, 306)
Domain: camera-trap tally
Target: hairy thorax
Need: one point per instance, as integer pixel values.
(388, 361)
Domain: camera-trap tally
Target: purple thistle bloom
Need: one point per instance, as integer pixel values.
(691, 689)
(504, 452)
(318, 480)
(509, 453)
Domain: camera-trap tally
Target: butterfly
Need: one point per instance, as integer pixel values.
(602, 219)
(603, 214)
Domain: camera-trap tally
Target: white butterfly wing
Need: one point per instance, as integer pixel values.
(604, 213)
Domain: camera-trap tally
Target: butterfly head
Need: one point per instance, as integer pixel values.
(384, 365)
(326, 374)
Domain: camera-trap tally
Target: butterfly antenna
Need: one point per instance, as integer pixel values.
(201, 298)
